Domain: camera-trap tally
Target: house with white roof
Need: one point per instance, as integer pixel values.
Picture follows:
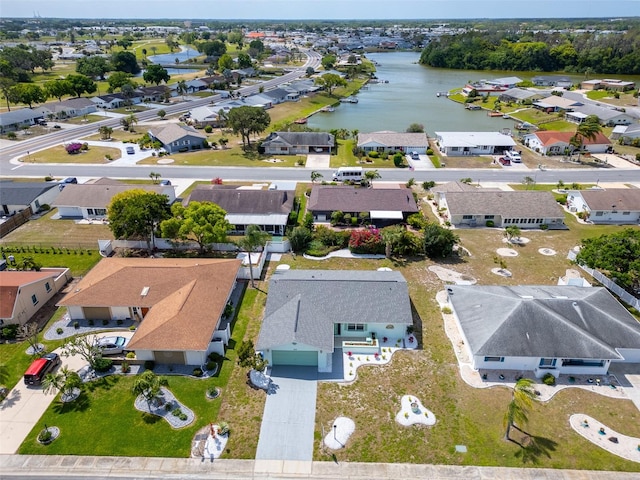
(544, 329)
(473, 143)
(626, 132)
(15, 119)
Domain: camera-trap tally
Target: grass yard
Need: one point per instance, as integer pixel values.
(58, 154)
(288, 112)
(468, 162)
(84, 119)
(46, 232)
(119, 135)
(130, 110)
(598, 94)
(233, 156)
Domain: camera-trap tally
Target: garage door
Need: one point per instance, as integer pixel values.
(97, 313)
(285, 357)
(175, 357)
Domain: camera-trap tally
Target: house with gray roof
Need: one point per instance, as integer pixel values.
(544, 329)
(298, 143)
(606, 116)
(178, 138)
(310, 313)
(280, 95)
(555, 103)
(72, 107)
(18, 196)
(269, 209)
(620, 206)
(384, 206)
(626, 132)
(15, 119)
(519, 95)
(90, 200)
(116, 100)
(473, 143)
(388, 141)
(524, 209)
(552, 81)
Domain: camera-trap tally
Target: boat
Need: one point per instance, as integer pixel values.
(349, 100)
(505, 116)
(471, 106)
(328, 108)
(494, 114)
(301, 121)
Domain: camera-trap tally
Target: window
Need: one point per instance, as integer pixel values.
(489, 217)
(507, 220)
(576, 362)
(34, 299)
(599, 214)
(101, 211)
(89, 211)
(494, 359)
(355, 327)
(547, 362)
(467, 217)
(626, 213)
(47, 287)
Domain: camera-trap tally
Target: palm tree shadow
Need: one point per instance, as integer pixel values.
(534, 447)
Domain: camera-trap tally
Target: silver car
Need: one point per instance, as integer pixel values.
(112, 345)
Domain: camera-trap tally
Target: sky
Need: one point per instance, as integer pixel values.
(318, 9)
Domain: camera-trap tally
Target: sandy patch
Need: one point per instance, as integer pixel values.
(503, 272)
(547, 251)
(388, 346)
(606, 438)
(517, 241)
(507, 252)
(165, 161)
(339, 434)
(412, 412)
(452, 276)
(273, 160)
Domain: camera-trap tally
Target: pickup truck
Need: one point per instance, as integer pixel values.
(513, 155)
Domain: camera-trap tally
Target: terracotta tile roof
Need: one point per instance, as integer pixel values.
(551, 137)
(186, 297)
(11, 281)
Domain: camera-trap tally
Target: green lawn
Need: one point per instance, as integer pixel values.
(598, 94)
(58, 154)
(234, 156)
(84, 119)
(130, 110)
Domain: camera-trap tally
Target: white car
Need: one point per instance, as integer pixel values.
(112, 345)
(513, 155)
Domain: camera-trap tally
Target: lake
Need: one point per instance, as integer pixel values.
(182, 56)
(410, 97)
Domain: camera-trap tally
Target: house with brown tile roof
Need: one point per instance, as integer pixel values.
(384, 206)
(556, 143)
(178, 302)
(23, 293)
(90, 200)
(524, 209)
(611, 206)
(269, 209)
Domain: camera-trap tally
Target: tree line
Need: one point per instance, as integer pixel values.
(613, 53)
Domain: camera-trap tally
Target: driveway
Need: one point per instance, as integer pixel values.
(421, 163)
(628, 374)
(319, 161)
(289, 415)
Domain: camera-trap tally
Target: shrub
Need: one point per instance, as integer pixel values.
(102, 364)
(429, 151)
(45, 436)
(208, 128)
(544, 226)
(132, 328)
(105, 321)
(73, 148)
(76, 325)
(85, 147)
(176, 412)
(119, 321)
(10, 332)
(318, 249)
(224, 428)
(183, 416)
(131, 355)
(124, 367)
(197, 372)
(12, 135)
(168, 407)
(549, 379)
(59, 331)
(149, 364)
(446, 310)
(211, 365)
(398, 160)
(490, 223)
(299, 238)
(417, 221)
(215, 357)
(366, 240)
(374, 155)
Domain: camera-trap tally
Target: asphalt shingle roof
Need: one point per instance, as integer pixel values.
(623, 198)
(233, 200)
(394, 139)
(311, 139)
(355, 199)
(174, 132)
(22, 193)
(544, 321)
(514, 204)
(303, 305)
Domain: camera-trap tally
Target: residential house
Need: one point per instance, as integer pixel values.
(608, 84)
(116, 100)
(23, 293)
(298, 143)
(519, 95)
(607, 116)
(156, 93)
(559, 81)
(440, 191)
(280, 95)
(544, 329)
(302, 87)
(505, 82)
(473, 143)
(387, 141)
(15, 119)
(200, 117)
(384, 206)
(312, 315)
(611, 206)
(269, 209)
(627, 133)
(179, 303)
(90, 200)
(18, 196)
(72, 107)
(555, 103)
(177, 138)
(524, 209)
(558, 143)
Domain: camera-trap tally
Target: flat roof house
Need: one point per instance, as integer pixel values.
(298, 143)
(309, 313)
(607, 206)
(269, 209)
(544, 329)
(387, 141)
(473, 143)
(178, 302)
(384, 206)
(524, 209)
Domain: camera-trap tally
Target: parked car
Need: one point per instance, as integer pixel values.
(130, 150)
(415, 156)
(57, 126)
(70, 180)
(112, 345)
(40, 367)
(504, 161)
(165, 182)
(513, 155)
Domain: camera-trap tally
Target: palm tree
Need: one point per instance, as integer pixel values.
(315, 176)
(223, 116)
(371, 175)
(253, 238)
(181, 88)
(52, 382)
(354, 133)
(132, 121)
(588, 129)
(148, 385)
(390, 236)
(521, 403)
(223, 142)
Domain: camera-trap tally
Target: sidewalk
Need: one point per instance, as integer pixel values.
(195, 469)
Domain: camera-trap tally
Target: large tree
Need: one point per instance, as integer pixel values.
(156, 74)
(247, 121)
(520, 404)
(225, 62)
(5, 88)
(253, 239)
(329, 81)
(93, 67)
(28, 93)
(215, 48)
(119, 79)
(136, 214)
(438, 241)
(202, 222)
(81, 84)
(58, 88)
(244, 60)
(125, 62)
(617, 255)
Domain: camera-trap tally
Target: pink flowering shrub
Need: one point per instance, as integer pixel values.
(366, 240)
(73, 148)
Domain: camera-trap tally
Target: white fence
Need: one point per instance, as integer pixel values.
(625, 296)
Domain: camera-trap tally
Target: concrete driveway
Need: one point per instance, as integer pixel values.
(24, 406)
(289, 415)
(318, 161)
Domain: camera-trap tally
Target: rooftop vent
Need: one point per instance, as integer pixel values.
(144, 291)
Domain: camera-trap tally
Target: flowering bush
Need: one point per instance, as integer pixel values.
(73, 148)
(367, 240)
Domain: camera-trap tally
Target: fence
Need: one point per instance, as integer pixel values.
(14, 221)
(625, 296)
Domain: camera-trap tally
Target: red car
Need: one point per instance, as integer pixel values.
(504, 161)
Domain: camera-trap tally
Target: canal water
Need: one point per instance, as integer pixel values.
(184, 55)
(411, 97)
